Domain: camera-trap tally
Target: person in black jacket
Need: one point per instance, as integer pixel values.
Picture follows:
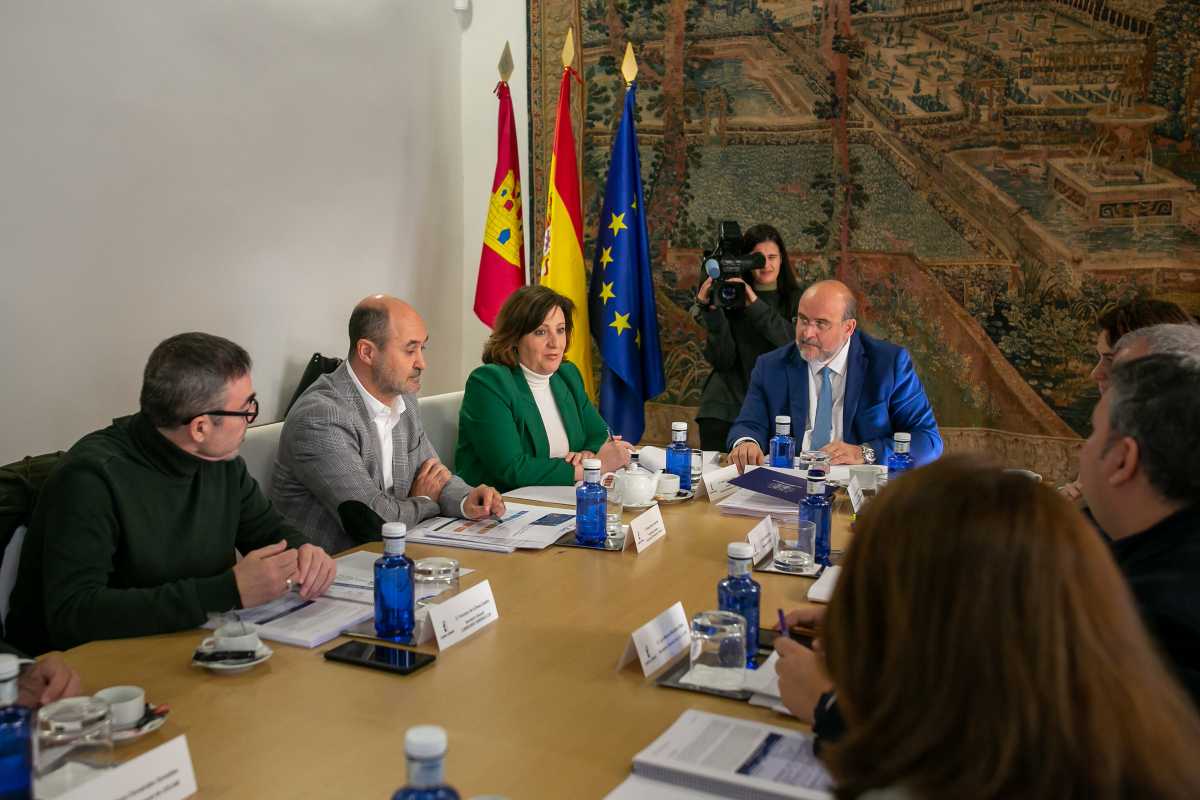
(1140, 475)
(737, 337)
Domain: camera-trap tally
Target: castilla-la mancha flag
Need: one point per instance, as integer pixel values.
(562, 249)
(502, 263)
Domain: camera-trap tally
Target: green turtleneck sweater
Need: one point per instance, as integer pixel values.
(132, 537)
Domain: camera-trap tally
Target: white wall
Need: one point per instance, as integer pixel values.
(485, 29)
(249, 168)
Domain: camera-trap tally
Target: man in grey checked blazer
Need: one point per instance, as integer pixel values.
(352, 447)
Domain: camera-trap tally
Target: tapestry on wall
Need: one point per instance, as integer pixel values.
(989, 175)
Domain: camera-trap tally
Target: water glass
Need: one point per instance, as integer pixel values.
(795, 548)
(814, 458)
(432, 576)
(614, 507)
(73, 745)
(718, 652)
(697, 468)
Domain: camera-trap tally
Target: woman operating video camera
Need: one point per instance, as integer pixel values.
(738, 336)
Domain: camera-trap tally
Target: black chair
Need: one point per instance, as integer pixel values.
(317, 366)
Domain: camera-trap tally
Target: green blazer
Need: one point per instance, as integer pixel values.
(501, 439)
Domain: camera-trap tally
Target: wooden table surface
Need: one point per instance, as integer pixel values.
(533, 704)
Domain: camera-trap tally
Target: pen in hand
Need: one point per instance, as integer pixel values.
(783, 626)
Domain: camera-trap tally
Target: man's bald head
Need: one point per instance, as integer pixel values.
(831, 291)
(825, 319)
(374, 319)
(387, 341)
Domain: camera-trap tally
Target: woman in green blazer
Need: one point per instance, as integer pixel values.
(526, 419)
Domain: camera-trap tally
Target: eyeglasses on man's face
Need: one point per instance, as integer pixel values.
(249, 415)
(804, 322)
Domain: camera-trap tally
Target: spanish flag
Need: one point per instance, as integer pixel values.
(562, 250)
(502, 262)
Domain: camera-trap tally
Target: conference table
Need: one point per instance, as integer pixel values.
(533, 704)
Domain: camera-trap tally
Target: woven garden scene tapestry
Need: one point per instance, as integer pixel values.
(988, 176)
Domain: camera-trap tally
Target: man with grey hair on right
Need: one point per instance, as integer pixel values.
(1180, 338)
(1140, 474)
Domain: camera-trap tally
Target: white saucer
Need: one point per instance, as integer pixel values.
(133, 734)
(640, 506)
(260, 655)
(679, 497)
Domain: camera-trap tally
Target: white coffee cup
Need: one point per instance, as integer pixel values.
(233, 636)
(126, 704)
(866, 475)
(668, 485)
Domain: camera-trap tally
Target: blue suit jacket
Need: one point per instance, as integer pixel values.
(883, 395)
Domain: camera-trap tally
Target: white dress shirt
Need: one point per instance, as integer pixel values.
(539, 385)
(385, 419)
(837, 381)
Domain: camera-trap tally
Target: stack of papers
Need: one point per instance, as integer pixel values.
(562, 495)
(304, 623)
(765, 685)
(745, 503)
(522, 527)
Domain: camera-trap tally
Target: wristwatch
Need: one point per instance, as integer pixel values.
(868, 454)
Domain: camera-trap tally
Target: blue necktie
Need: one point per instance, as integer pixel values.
(822, 430)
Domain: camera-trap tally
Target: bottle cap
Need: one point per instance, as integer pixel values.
(740, 550)
(395, 530)
(679, 426)
(591, 463)
(10, 666)
(425, 741)
(783, 420)
(903, 437)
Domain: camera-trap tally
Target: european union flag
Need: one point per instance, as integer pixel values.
(621, 298)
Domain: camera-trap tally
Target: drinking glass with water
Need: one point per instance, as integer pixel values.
(795, 548)
(718, 653)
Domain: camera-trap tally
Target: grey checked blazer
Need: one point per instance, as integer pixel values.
(329, 454)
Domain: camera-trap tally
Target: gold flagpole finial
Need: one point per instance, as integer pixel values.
(506, 63)
(629, 67)
(568, 51)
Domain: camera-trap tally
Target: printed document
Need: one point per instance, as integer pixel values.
(305, 623)
(735, 758)
(528, 527)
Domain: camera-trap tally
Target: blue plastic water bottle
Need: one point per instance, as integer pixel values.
(16, 736)
(900, 460)
(394, 586)
(591, 500)
(783, 446)
(679, 456)
(425, 750)
(815, 508)
(740, 593)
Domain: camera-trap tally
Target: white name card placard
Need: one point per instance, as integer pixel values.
(716, 483)
(659, 641)
(464, 614)
(647, 528)
(164, 773)
(762, 538)
(854, 489)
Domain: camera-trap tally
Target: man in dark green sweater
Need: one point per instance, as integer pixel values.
(134, 533)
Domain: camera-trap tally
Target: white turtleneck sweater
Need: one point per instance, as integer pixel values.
(539, 385)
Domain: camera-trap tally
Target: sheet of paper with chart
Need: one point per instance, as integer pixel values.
(522, 527)
(734, 758)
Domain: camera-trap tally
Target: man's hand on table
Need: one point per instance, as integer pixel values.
(842, 453)
(746, 454)
(266, 573)
(315, 570)
(47, 680)
(483, 501)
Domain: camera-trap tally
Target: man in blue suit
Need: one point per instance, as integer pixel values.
(851, 392)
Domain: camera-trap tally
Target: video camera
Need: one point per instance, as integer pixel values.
(727, 260)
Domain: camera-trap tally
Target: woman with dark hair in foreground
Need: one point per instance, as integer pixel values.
(982, 644)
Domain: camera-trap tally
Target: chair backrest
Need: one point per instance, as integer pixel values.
(317, 366)
(8, 569)
(439, 417)
(258, 451)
